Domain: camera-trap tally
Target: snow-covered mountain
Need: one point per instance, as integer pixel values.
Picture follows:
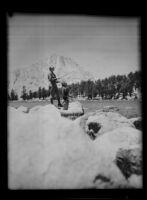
(36, 75)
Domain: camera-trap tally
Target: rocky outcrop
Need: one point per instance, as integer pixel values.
(129, 161)
(100, 122)
(137, 121)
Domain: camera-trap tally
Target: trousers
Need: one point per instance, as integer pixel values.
(54, 92)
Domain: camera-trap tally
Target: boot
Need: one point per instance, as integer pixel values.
(59, 103)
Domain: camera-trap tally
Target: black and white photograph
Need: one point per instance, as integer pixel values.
(74, 102)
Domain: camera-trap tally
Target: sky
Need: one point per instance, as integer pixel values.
(104, 46)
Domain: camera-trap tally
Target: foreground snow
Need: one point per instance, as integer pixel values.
(47, 150)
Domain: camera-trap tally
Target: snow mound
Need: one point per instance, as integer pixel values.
(34, 109)
(14, 113)
(75, 110)
(11, 109)
(22, 109)
(137, 121)
(48, 151)
(125, 137)
(135, 181)
(100, 122)
(109, 145)
(129, 161)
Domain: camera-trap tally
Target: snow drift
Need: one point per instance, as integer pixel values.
(100, 122)
(48, 151)
(137, 121)
(75, 110)
(23, 109)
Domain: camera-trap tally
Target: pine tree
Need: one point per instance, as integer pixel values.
(43, 93)
(82, 88)
(8, 97)
(89, 89)
(39, 92)
(24, 93)
(16, 96)
(35, 94)
(13, 96)
(30, 94)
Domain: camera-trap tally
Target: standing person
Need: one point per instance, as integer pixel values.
(54, 89)
(65, 94)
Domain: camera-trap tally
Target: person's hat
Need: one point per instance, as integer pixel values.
(51, 67)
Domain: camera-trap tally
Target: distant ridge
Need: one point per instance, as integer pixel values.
(35, 75)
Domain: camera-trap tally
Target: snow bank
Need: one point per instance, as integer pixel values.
(75, 109)
(118, 138)
(137, 121)
(43, 148)
(11, 109)
(48, 151)
(34, 109)
(135, 181)
(22, 109)
(100, 122)
(107, 147)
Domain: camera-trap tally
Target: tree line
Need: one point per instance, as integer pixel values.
(40, 93)
(107, 88)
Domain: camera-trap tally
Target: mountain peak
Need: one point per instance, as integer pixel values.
(35, 75)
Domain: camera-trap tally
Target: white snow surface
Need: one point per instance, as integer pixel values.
(22, 108)
(135, 181)
(47, 151)
(132, 120)
(108, 121)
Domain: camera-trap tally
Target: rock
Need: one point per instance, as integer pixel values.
(92, 129)
(129, 161)
(100, 122)
(109, 145)
(74, 111)
(138, 124)
(137, 121)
